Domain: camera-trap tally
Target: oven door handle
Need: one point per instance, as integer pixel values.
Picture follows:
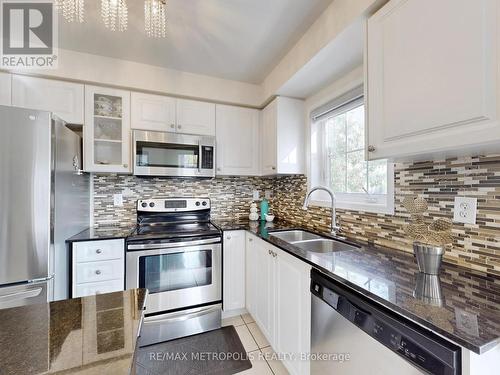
(200, 160)
(157, 246)
(180, 316)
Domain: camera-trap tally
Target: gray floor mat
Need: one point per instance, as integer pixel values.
(218, 352)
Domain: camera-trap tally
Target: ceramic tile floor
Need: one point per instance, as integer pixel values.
(256, 345)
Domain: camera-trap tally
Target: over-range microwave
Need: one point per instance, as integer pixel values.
(173, 154)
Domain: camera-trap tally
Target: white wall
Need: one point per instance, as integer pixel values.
(335, 19)
(114, 72)
(137, 76)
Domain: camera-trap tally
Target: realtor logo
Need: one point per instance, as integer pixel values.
(29, 34)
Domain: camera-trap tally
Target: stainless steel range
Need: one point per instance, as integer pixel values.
(175, 252)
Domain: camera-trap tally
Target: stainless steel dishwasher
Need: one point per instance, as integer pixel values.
(353, 335)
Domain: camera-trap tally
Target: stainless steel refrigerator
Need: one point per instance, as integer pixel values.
(44, 199)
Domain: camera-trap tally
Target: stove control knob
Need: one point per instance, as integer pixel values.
(151, 204)
(204, 203)
(197, 203)
(144, 204)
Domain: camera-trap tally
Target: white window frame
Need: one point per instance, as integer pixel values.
(375, 203)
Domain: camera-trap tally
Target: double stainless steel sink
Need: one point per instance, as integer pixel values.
(312, 242)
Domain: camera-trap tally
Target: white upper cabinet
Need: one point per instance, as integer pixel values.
(5, 89)
(163, 113)
(65, 99)
(194, 117)
(237, 141)
(282, 139)
(106, 133)
(432, 77)
(269, 140)
(152, 112)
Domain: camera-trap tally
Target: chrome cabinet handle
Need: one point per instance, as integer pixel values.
(218, 169)
(125, 165)
(179, 126)
(273, 168)
(250, 240)
(98, 251)
(228, 237)
(371, 148)
(172, 126)
(97, 272)
(274, 255)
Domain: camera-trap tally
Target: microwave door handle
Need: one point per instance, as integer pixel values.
(199, 156)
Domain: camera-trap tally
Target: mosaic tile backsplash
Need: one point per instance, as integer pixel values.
(439, 182)
(230, 196)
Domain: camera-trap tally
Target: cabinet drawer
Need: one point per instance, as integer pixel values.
(98, 250)
(90, 289)
(99, 271)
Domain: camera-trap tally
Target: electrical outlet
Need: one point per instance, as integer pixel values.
(118, 200)
(255, 195)
(465, 210)
(268, 194)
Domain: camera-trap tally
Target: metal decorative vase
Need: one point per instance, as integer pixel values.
(429, 257)
(428, 289)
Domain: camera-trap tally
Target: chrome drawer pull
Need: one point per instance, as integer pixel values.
(97, 272)
(98, 251)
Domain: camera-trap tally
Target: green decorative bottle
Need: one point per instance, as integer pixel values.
(264, 209)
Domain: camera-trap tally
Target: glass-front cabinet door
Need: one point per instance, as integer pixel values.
(107, 130)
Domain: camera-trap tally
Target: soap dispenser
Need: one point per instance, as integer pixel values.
(264, 208)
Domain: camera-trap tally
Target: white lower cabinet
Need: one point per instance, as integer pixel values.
(279, 300)
(98, 267)
(234, 270)
(90, 289)
(293, 310)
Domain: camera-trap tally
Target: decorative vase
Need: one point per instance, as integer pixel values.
(429, 257)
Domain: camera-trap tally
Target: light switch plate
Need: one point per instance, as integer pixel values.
(465, 210)
(118, 200)
(255, 195)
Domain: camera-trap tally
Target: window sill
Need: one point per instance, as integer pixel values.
(377, 208)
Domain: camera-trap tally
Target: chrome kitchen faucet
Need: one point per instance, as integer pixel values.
(334, 227)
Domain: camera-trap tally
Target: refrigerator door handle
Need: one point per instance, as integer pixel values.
(21, 295)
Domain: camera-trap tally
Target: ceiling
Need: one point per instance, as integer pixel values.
(233, 39)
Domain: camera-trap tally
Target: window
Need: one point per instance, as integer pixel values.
(338, 158)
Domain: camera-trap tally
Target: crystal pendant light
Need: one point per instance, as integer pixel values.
(114, 14)
(71, 10)
(155, 18)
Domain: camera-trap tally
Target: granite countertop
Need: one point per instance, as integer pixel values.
(464, 308)
(91, 335)
(102, 233)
